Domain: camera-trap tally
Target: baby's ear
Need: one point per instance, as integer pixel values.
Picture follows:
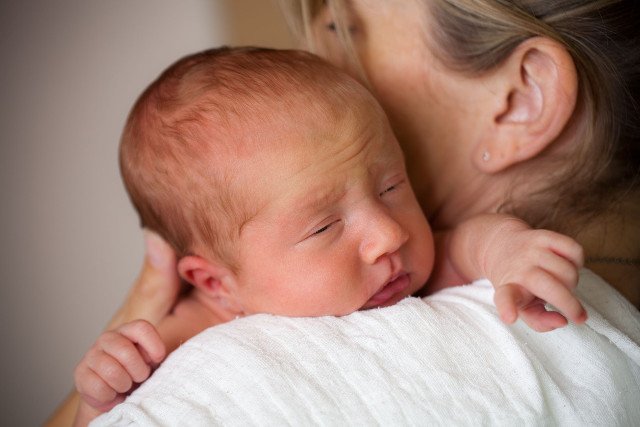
(212, 278)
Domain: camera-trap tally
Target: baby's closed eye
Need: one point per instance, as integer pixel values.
(392, 188)
(324, 228)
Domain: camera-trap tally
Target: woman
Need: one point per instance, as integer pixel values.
(526, 108)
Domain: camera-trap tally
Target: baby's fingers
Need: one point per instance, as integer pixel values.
(119, 350)
(562, 269)
(513, 300)
(539, 319)
(147, 339)
(566, 247)
(94, 390)
(110, 371)
(507, 298)
(548, 288)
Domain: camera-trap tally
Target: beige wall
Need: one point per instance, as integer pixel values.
(70, 70)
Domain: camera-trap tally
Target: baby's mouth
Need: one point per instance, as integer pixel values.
(390, 292)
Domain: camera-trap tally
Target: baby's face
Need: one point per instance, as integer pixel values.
(340, 229)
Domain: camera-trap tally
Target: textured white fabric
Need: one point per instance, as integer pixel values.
(445, 359)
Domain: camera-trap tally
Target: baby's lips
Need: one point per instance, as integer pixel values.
(396, 284)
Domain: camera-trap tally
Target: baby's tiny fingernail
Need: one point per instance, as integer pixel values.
(508, 317)
(582, 317)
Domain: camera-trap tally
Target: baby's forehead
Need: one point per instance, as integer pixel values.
(358, 136)
(310, 168)
(290, 121)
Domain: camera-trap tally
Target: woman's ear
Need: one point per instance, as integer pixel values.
(537, 89)
(213, 279)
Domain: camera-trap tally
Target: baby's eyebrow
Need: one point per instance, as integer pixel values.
(304, 206)
(314, 201)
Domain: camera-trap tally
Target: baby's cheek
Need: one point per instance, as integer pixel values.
(424, 259)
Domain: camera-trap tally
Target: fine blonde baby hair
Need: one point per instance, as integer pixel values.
(186, 137)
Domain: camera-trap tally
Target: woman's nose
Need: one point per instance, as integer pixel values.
(382, 235)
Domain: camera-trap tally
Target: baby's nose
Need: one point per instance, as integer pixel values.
(383, 236)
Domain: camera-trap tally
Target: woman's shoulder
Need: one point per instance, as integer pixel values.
(611, 244)
(608, 307)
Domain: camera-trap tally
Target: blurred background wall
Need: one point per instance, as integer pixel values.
(70, 245)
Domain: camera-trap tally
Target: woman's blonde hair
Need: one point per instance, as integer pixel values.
(603, 38)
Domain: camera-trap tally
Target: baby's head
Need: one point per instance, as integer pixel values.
(279, 183)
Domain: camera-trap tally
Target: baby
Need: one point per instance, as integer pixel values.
(279, 183)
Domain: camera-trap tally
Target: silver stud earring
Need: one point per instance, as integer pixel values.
(486, 156)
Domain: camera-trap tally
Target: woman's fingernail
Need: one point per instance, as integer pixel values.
(153, 246)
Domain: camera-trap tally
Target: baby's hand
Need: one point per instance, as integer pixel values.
(530, 267)
(117, 362)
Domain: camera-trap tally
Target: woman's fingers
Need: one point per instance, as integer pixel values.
(160, 258)
(156, 289)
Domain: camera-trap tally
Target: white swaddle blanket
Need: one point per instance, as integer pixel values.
(445, 359)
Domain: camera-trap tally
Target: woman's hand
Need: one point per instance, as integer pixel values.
(156, 290)
(151, 298)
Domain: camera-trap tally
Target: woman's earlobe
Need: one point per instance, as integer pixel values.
(538, 87)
